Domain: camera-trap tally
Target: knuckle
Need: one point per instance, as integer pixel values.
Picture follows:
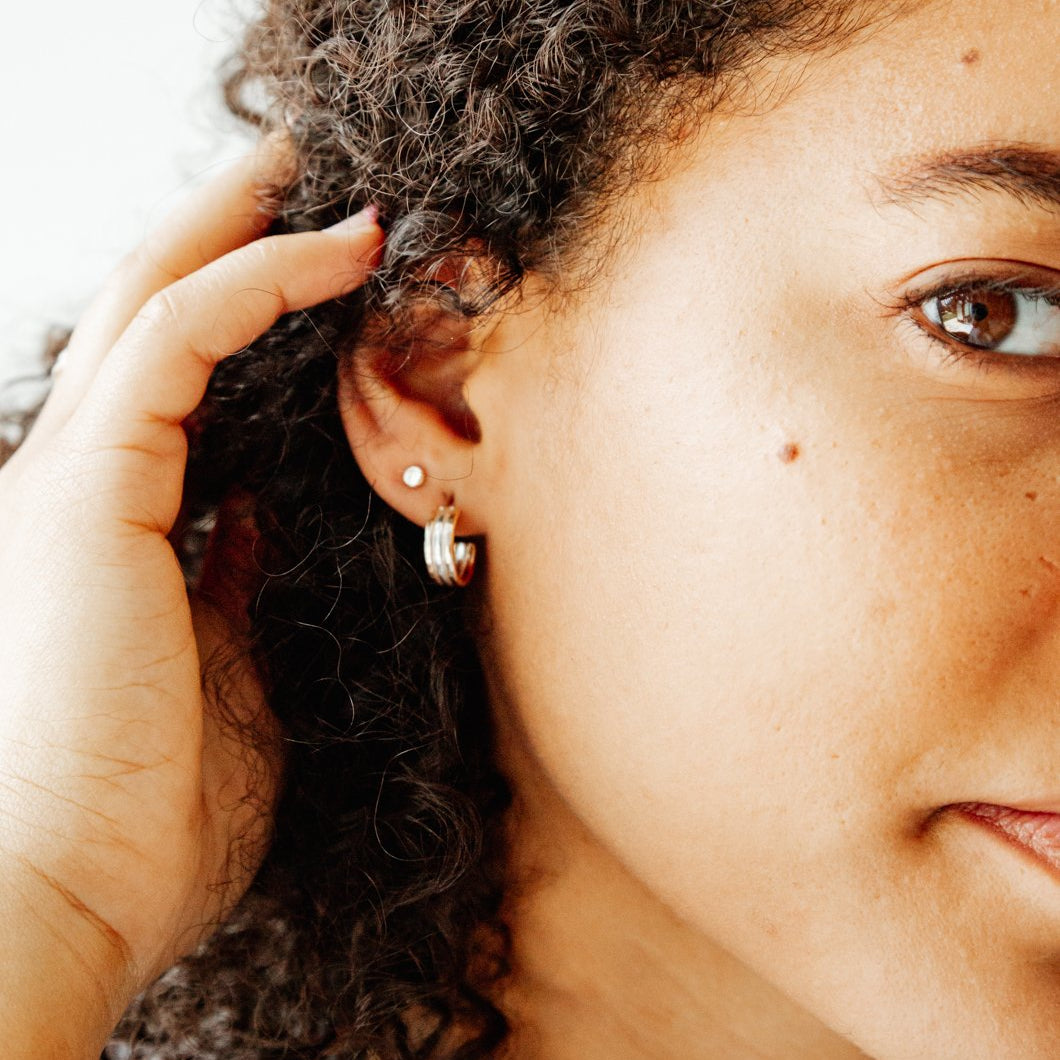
(134, 261)
(138, 265)
(259, 254)
(166, 315)
(266, 255)
(265, 259)
(130, 264)
(125, 275)
(160, 311)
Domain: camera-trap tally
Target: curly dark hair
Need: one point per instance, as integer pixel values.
(494, 134)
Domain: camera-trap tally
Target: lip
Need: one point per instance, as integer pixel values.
(1037, 832)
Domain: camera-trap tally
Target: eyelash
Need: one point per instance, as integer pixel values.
(909, 301)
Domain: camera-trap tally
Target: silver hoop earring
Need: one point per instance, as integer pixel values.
(449, 562)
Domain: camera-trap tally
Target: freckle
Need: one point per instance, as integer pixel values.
(1031, 495)
(790, 453)
(970, 56)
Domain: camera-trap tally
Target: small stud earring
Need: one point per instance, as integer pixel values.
(449, 562)
(414, 476)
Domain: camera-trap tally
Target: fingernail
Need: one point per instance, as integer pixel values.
(365, 218)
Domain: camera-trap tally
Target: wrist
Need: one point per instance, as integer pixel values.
(65, 976)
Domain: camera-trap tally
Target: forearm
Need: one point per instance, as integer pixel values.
(64, 982)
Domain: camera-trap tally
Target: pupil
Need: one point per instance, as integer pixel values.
(980, 312)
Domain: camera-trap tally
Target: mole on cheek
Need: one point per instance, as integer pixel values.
(970, 57)
(789, 453)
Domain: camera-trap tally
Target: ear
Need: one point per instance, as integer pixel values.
(408, 407)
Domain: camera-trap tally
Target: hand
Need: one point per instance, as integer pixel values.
(130, 817)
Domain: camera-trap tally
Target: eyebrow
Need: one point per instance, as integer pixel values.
(1024, 172)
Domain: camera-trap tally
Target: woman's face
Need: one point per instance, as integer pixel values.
(774, 564)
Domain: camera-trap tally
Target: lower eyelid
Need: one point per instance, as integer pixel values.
(954, 356)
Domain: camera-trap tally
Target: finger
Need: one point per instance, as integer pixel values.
(225, 213)
(157, 372)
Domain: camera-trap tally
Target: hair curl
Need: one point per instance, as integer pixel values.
(493, 133)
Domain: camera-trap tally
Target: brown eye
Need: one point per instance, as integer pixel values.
(975, 316)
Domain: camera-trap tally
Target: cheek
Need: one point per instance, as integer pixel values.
(665, 632)
(753, 641)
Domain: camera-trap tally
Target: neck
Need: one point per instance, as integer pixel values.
(603, 970)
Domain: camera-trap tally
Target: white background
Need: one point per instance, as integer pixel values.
(109, 110)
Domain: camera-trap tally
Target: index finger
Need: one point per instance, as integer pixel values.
(216, 218)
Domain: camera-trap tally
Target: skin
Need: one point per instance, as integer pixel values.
(773, 580)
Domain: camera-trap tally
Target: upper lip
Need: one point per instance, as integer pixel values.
(1037, 831)
(1049, 806)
